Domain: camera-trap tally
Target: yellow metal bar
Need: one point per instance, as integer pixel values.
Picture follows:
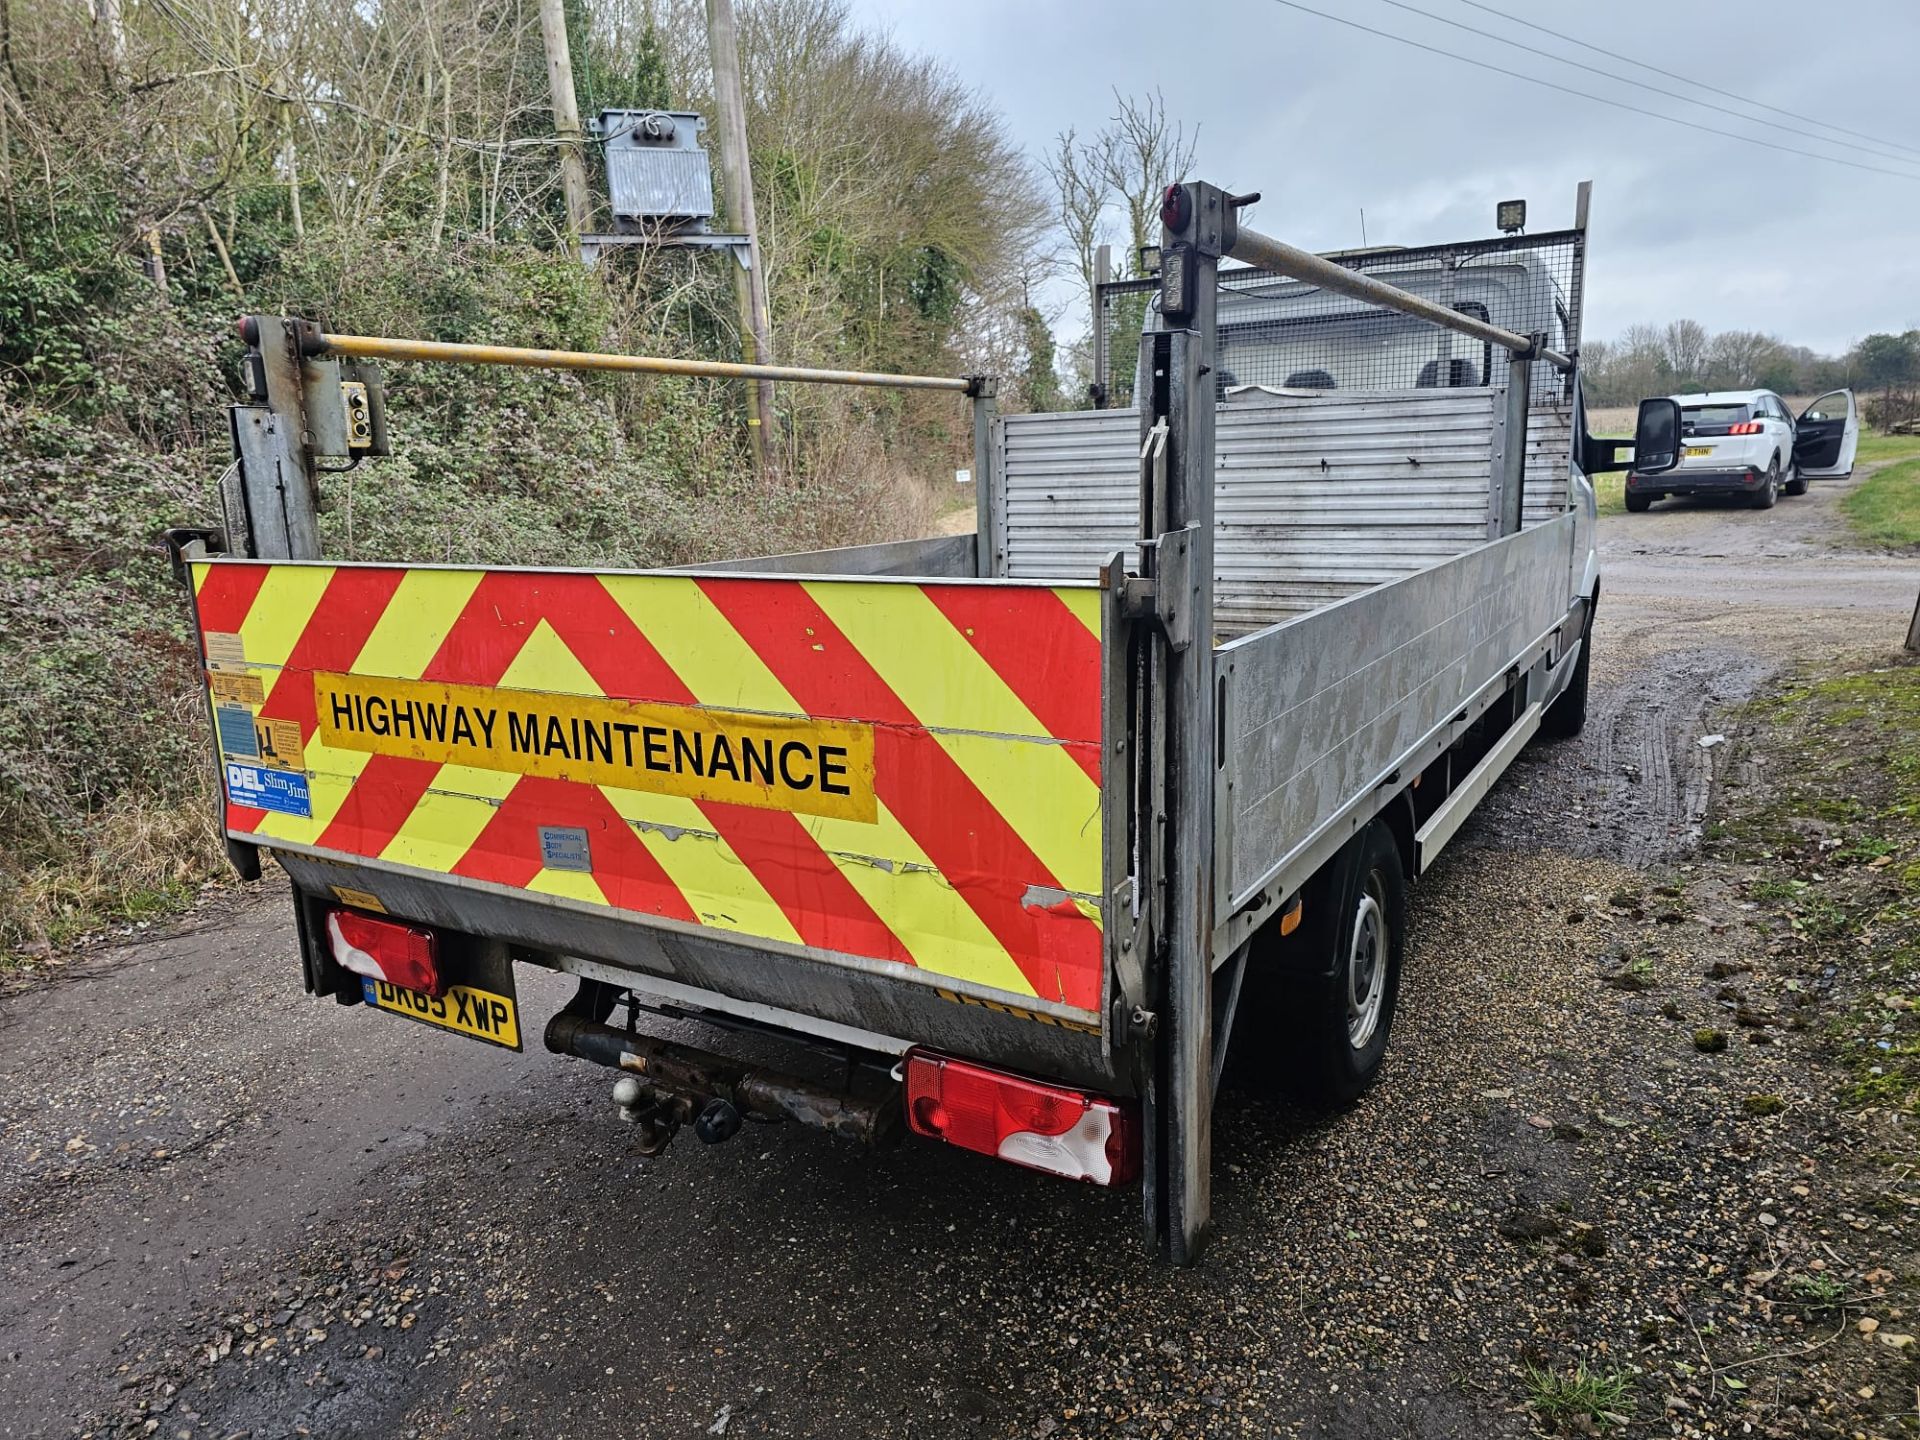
(374, 347)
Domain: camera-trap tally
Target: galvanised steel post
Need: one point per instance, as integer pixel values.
(270, 442)
(1102, 342)
(1178, 373)
(987, 527)
(1513, 477)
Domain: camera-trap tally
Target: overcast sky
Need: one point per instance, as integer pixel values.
(1325, 120)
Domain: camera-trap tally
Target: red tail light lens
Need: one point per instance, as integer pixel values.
(1745, 427)
(402, 955)
(1043, 1127)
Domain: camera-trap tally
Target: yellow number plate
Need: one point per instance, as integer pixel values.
(1699, 449)
(466, 1011)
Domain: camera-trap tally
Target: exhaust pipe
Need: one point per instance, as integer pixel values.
(678, 1084)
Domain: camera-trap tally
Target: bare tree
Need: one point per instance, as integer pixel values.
(1140, 153)
(1685, 343)
(1081, 192)
(1741, 359)
(1126, 165)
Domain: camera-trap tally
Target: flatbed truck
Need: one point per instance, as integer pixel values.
(1000, 838)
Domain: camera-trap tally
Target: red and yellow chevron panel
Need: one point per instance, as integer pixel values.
(894, 770)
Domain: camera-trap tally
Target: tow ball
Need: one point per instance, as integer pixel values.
(659, 1118)
(663, 1086)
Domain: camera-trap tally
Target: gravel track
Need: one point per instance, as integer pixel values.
(228, 1210)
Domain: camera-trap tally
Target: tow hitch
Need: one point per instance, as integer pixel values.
(667, 1085)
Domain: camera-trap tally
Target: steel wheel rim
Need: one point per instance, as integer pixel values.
(1367, 965)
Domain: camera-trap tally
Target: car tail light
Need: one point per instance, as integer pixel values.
(1745, 427)
(1043, 1127)
(402, 955)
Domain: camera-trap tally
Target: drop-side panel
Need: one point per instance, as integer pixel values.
(1319, 710)
(1317, 497)
(902, 773)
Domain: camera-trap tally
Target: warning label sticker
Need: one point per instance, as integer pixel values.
(774, 762)
(284, 791)
(359, 899)
(239, 688)
(279, 744)
(225, 650)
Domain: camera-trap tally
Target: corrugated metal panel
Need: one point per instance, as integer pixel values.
(1549, 451)
(1318, 497)
(659, 183)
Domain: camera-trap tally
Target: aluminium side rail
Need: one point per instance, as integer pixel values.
(1290, 260)
(1185, 885)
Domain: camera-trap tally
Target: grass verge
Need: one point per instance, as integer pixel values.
(1886, 509)
(142, 857)
(1875, 448)
(1843, 847)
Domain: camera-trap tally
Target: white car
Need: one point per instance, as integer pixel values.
(1746, 442)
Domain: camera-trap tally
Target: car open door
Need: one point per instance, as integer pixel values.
(1827, 436)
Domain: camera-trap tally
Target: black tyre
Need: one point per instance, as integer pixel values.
(1346, 990)
(1769, 492)
(1797, 485)
(1637, 504)
(1567, 716)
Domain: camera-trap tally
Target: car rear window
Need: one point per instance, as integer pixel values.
(1716, 415)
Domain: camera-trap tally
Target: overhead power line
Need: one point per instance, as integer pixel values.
(1692, 80)
(1652, 89)
(1600, 99)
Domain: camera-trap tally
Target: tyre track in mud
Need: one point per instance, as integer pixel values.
(1702, 606)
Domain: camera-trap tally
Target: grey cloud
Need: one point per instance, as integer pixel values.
(1324, 121)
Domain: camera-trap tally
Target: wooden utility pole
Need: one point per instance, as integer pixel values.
(736, 183)
(566, 119)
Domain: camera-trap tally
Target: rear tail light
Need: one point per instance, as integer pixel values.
(402, 955)
(1745, 427)
(1043, 1127)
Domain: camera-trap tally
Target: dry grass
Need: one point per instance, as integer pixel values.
(139, 856)
(1617, 420)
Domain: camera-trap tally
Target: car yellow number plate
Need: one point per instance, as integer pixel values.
(1699, 450)
(480, 1014)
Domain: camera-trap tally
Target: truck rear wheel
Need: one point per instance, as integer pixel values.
(1345, 996)
(1566, 717)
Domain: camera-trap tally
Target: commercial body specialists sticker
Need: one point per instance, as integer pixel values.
(774, 762)
(284, 791)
